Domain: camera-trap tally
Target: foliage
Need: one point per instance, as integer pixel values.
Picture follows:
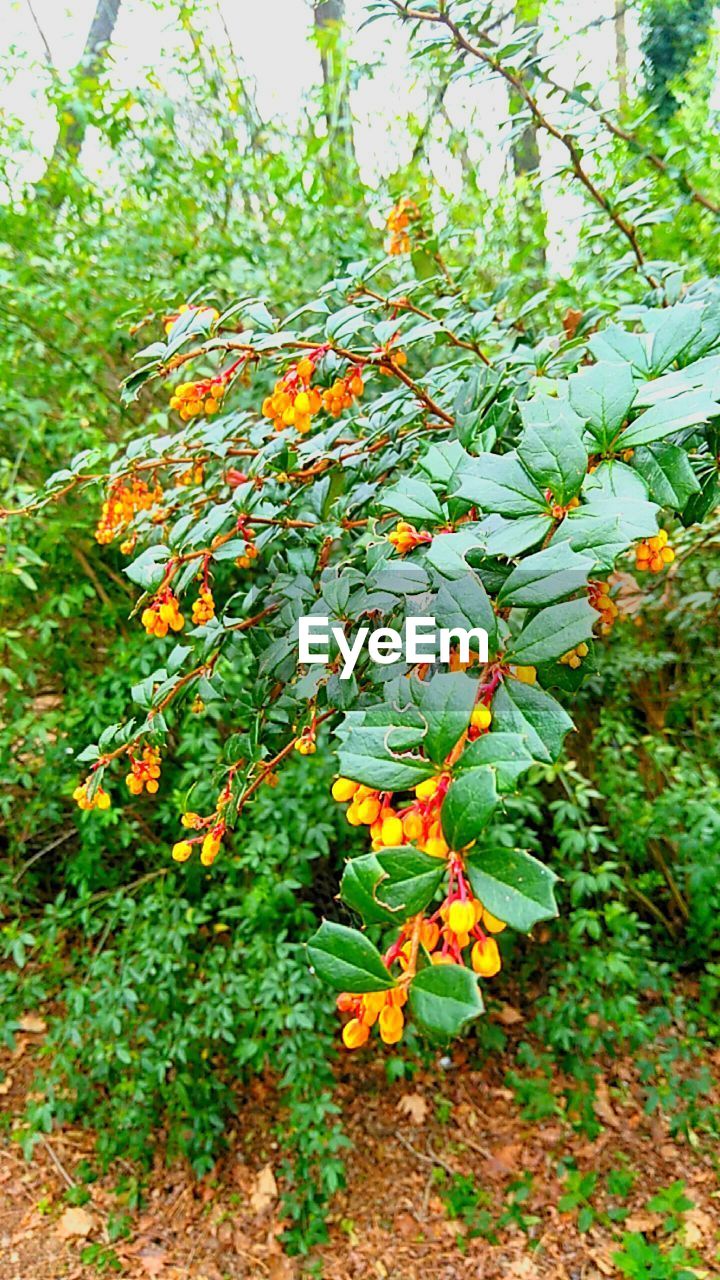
(315, 428)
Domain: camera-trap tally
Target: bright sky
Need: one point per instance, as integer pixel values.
(285, 69)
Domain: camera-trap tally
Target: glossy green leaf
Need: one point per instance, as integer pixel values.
(547, 576)
(413, 500)
(445, 702)
(469, 805)
(603, 394)
(669, 416)
(377, 756)
(668, 474)
(499, 483)
(392, 884)
(507, 755)
(465, 603)
(347, 960)
(535, 715)
(444, 999)
(553, 632)
(551, 447)
(513, 886)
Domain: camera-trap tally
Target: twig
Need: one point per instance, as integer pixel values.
(432, 1158)
(66, 835)
(66, 1177)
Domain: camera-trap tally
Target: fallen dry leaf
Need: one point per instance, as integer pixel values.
(508, 1015)
(643, 1222)
(265, 1190)
(698, 1228)
(152, 1260)
(413, 1105)
(5, 1085)
(602, 1106)
(75, 1221)
(33, 1024)
(281, 1268)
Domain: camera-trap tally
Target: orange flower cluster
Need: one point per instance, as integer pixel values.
(203, 608)
(654, 553)
(124, 500)
(382, 1007)
(194, 475)
(250, 553)
(100, 800)
(169, 321)
(163, 614)
(293, 401)
(398, 223)
(558, 511)
(460, 922)
(343, 392)
(600, 599)
(405, 537)
(394, 358)
(418, 823)
(574, 657)
(305, 745)
(210, 843)
(193, 398)
(480, 721)
(144, 773)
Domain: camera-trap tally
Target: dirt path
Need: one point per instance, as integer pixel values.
(431, 1163)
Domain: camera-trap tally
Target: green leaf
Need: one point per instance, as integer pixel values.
(465, 603)
(603, 394)
(347, 960)
(468, 806)
(551, 448)
(499, 483)
(607, 527)
(510, 538)
(447, 551)
(552, 632)
(669, 416)
(378, 756)
(442, 460)
(535, 715)
(505, 753)
(445, 702)
(614, 479)
(414, 500)
(678, 328)
(513, 886)
(549, 575)
(444, 998)
(392, 884)
(668, 474)
(148, 570)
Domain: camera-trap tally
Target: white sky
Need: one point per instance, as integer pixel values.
(272, 39)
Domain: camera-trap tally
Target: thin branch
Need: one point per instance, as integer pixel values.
(41, 33)
(441, 18)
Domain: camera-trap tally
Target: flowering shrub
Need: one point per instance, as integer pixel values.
(394, 467)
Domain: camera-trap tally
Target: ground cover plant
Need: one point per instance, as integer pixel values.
(273, 862)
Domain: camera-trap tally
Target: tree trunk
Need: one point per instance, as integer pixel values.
(526, 161)
(329, 18)
(621, 50)
(72, 127)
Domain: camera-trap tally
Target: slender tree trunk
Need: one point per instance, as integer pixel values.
(621, 51)
(72, 127)
(329, 19)
(526, 159)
